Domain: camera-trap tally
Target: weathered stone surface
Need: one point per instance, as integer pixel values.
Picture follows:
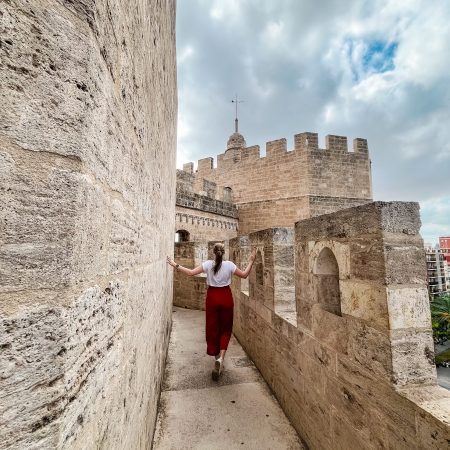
(366, 378)
(87, 182)
(418, 369)
(204, 226)
(408, 308)
(366, 301)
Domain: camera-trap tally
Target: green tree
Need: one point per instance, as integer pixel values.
(440, 317)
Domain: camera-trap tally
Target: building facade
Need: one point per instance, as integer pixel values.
(444, 246)
(437, 272)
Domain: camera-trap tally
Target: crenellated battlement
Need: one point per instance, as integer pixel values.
(242, 175)
(276, 149)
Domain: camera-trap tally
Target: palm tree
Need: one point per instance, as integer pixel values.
(440, 309)
(440, 316)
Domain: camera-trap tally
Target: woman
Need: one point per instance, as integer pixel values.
(219, 301)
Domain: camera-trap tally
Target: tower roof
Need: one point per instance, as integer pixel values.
(236, 141)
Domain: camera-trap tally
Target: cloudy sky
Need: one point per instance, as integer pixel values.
(377, 69)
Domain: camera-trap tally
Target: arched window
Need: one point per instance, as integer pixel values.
(227, 194)
(326, 271)
(182, 236)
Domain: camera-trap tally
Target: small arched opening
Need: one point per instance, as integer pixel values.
(182, 236)
(227, 194)
(326, 271)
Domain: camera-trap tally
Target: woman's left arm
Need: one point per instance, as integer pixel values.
(190, 272)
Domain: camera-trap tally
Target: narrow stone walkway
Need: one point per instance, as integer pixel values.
(238, 412)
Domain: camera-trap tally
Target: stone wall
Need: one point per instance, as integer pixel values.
(254, 216)
(357, 370)
(190, 292)
(204, 226)
(88, 94)
(203, 216)
(284, 186)
(205, 202)
(306, 170)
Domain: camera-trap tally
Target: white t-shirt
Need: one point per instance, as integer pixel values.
(222, 277)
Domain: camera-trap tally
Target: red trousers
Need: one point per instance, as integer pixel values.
(219, 319)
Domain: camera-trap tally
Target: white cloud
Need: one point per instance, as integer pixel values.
(435, 214)
(378, 69)
(185, 54)
(225, 10)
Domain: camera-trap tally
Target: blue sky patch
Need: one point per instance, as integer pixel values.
(378, 57)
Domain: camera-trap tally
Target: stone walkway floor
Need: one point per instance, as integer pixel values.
(238, 412)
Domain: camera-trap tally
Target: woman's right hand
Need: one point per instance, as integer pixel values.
(170, 261)
(252, 256)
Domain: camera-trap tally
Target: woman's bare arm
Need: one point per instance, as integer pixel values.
(190, 272)
(251, 260)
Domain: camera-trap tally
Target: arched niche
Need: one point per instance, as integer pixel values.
(227, 194)
(182, 236)
(326, 274)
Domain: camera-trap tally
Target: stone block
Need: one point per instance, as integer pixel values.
(360, 145)
(316, 424)
(306, 140)
(387, 403)
(276, 148)
(264, 312)
(432, 434)
(205, 165)
(313, 371)
(408, 308)
(336, 143)
(188, 167)
(405, 260)
(366, 301)
(412, 357)
(330, 329)
(367, 260)
(400, 217)
(353, 406)
(370, 348)
(345, 436)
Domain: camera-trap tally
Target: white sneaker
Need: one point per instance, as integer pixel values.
(218, 367)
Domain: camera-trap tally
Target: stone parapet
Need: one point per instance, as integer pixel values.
(356, 370)
(281, 174)
(206, 204)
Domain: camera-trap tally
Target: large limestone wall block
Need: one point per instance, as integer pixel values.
(363, 377)
(87, 183)
(381, 282)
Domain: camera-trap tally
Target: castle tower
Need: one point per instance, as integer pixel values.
(283, 186)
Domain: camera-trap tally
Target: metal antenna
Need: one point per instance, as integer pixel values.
(236, 121)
